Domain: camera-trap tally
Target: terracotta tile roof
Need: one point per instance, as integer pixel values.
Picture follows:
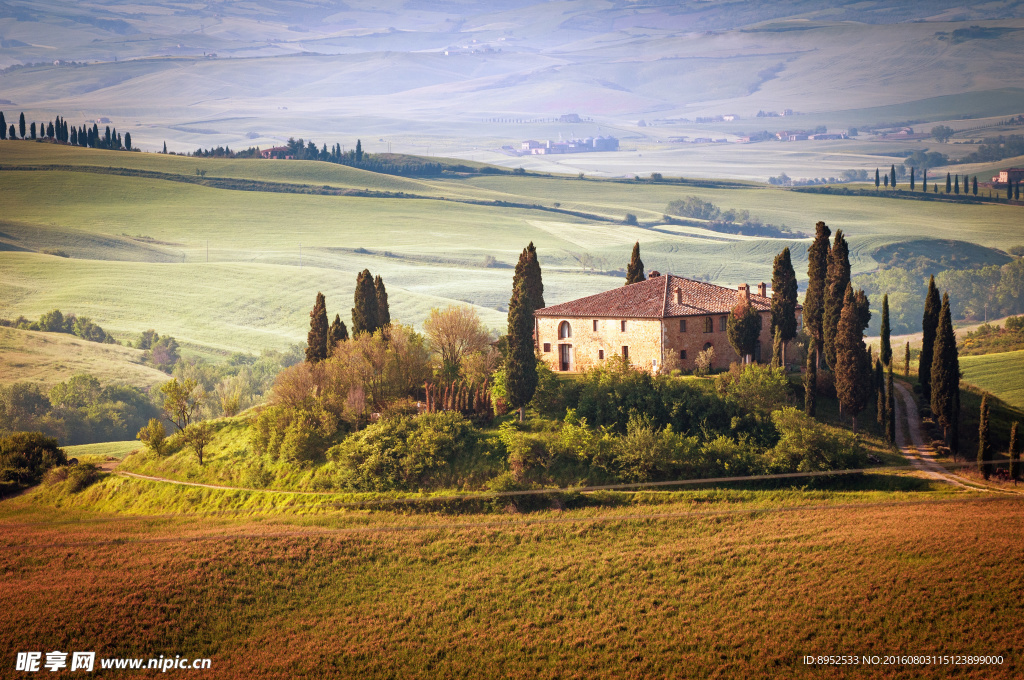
(656, 299)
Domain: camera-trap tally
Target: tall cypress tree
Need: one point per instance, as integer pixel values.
(892, 176)
(165, 147)
(635, 269)
(929, 325)
(364, 314)
(837, 281)
(912, 178)
(949, 183)
(534, 280)
(3, 126)
(974, 186)
(956, 185)
(852, 367)
(383, 310)
(778, 349)
(319, 331)
(784, 301)
(945, 378)
(21, 124)
(1014, 454)
(521, 362)
(359, 150)
(128, 141)
(890, 408)
(814, 298)
(885, 349)
(879, 393)
(339, 333)
(878, 179)
(811, 381)
(32, 130)
(924, 180)
(984, 439)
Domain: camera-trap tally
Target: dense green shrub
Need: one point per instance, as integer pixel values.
(805, 445)
(76, 477)
(296, 434)
(405, 453)
(26, 456)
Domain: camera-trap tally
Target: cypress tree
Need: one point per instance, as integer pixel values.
(912, 184)
(892, 176)
(50, 132)
(811, 381)
(885, 349)
(128, 141)
(364, 314)
(383, 310)
(534, 280)
(879, 393)
(890, 408)
(878, 180)
(635, 269)
(929, 325)
(924, 180)
(778, 349)
(339, 333)
(906, 360)
(945, 378)
(956, 185)
(3, 126)
(837, 281)
(1014, 454)
(74, 136)
(949, 185)
(852, 370)
(21, 124)
(886, 180)
(32, 129)
(974, 186)
(11, 133)
(521, 362)
(319, 331)
(359, 150)
(984, 441)
(814, 298)
(165, 147)
(784, 302)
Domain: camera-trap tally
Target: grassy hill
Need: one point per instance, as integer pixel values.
(1001, 374)
(50, 358)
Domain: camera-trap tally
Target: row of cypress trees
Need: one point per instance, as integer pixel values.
(938, 369)
(370, 314)
(58, 130)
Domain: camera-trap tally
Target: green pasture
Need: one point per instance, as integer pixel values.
(88, 453)
(1001, 374)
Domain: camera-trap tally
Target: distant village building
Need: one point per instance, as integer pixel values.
(587, 144)
(1011, 175)
(277, 152)
(659, 324)
(570, 118)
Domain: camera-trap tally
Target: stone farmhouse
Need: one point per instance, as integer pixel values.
(659, 325)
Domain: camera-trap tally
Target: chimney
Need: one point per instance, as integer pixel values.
(679, 296)
(762, 289)
(745, 291)
(654, 274)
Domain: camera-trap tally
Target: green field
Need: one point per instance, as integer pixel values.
(89, 452)
(182, 258)
(1001, 374)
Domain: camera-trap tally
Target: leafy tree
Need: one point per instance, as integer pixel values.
(26, 456)
(198, 436)
(21, 124)
(942, 133)
(182, 400)
(784, 301)
(852, 367)
(929, 326)
(814, 298)
(1014, 453)
(521, 362)
(455, 332)
(744, 328)
(364, 314)
(153, 435)
(836, 282)
(338, 333)
(317, 340)
(984, 439)
(383, 310)
(892, 176)
(635, 269)
(885, 349)
(945, 378)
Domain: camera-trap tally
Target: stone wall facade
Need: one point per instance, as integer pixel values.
(654, 345)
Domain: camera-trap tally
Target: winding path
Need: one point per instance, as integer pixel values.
(916, 451)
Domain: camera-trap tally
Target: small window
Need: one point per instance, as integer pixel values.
(682, 354)
(709, 325)
(600, 354)
(595, 325)
(682, 325)
(625, 350)
(722, 322)
(623, 322)
(564, 330)
(547, 346)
